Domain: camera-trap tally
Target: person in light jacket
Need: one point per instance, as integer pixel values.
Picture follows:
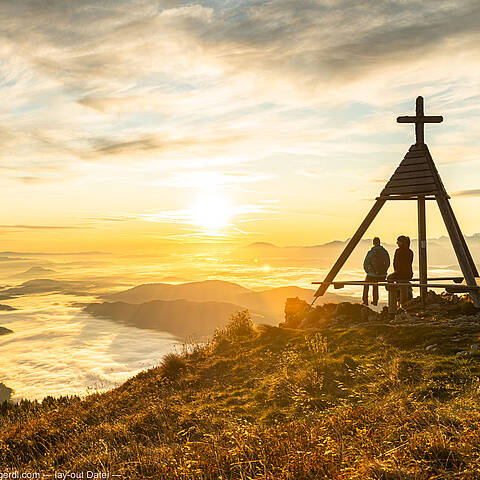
(376, 265)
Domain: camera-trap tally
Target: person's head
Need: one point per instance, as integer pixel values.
(403, 241)
(376, 241)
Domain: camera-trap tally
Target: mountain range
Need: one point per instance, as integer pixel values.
(35, 272)
(440, 253)
(198, 307)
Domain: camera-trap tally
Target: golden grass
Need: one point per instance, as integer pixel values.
(272, 404)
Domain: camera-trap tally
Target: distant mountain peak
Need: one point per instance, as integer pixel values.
(35, 271)
(262, 244)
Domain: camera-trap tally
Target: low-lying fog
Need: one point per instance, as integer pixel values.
(57, 349)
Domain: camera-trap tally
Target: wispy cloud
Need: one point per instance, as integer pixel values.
(43, 227)
(474, 192)
(201, 93)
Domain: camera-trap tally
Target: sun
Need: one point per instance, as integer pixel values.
(211, 211)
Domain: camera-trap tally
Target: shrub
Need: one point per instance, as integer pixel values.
(239, 327)
(406, 371)
(172, 365)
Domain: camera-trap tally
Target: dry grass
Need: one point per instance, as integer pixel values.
(271, 404)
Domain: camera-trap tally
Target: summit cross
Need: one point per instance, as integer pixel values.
(420, 120)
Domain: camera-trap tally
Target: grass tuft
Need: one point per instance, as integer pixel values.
(172, 366)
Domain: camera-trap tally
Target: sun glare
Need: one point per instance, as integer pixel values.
(211, 212)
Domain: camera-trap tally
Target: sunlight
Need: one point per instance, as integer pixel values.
(211, 211)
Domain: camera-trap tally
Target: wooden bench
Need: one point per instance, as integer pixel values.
(398, 291)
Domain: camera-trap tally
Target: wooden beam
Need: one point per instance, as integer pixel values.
(412, 168)
(403, 197)
(465, 246)
(425, 119)
(463, 288)
(414, 161)
(416, 174)
(350, 246)
(426, 189)
(422, 245)
(394, 182)
(455, 279)
(415, 154)
(459, 246)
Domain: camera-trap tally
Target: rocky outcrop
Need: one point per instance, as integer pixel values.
(442, 306)
(438, 309)
(299, 314)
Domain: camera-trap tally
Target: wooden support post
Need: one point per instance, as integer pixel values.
(465, 246)
(422, 246)
(392, 299)
(459, 246)
(350, 247)
(403, 295)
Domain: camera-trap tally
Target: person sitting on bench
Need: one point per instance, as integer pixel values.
(376, 265)
(402, 261)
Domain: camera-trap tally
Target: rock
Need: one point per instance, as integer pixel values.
(299, 314)
(295, 311)
(474, 347)
(404, 317)
(439, 308)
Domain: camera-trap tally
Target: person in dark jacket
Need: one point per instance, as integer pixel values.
(376, 265)
(402, 261)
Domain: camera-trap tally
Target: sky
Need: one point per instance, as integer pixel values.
(144, 126)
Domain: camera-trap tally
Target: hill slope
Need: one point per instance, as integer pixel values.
(35, 272)
(178, 317)
(374, 401)
(268, 305)
(207, 290)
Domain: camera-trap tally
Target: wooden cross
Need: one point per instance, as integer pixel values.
(420, 120)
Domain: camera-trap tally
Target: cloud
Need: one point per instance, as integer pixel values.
(475, 192)
(184, 86)
(207, 177)
(42, 227)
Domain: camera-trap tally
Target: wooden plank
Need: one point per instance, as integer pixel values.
(414, 161)
(350, 246)
(410, 181)
(413, 196)
(466, 288)
(415, 154)
(413, 168)
(430, 188)
(407, 175)
(455, 279)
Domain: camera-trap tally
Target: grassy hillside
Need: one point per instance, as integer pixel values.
(181, 318)
(373, 401)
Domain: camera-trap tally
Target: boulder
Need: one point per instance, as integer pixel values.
(299, 314)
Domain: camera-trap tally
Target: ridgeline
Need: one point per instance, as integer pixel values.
(354, 397)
